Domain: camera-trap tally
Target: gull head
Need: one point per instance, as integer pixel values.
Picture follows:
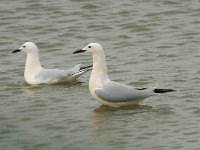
(91, 48)
(28, 47)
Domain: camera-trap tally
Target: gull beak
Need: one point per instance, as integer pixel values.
(17, 50)
(79, 51)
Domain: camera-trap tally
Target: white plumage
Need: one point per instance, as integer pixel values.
(34, 73)
(109, 92)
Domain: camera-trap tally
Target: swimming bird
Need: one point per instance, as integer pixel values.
(112, 93)
(34, 73)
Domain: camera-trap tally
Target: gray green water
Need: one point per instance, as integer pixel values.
(146, 43)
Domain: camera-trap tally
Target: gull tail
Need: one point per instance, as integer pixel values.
(78, 71)
(163, 90)
(86, 68)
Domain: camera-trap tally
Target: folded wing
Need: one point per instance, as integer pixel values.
(118, 92)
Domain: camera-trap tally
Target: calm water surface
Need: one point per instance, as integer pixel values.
(146, 43)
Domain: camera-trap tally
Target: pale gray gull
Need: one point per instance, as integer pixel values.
(112, 93)
(34, 73)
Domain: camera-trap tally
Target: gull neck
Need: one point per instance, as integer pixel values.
(99, 72)
(32, 63)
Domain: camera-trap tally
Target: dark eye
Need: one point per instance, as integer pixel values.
(89, 46)
(24, 46)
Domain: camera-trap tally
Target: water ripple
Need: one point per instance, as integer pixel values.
(146, 43)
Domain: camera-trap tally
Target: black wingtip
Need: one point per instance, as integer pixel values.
(163, 90)
(87, 67)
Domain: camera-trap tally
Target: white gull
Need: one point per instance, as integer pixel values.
(34, 73)
(112, 93)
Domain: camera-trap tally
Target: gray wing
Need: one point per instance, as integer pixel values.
(57, 75)
(118, 92)
(52, 74)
